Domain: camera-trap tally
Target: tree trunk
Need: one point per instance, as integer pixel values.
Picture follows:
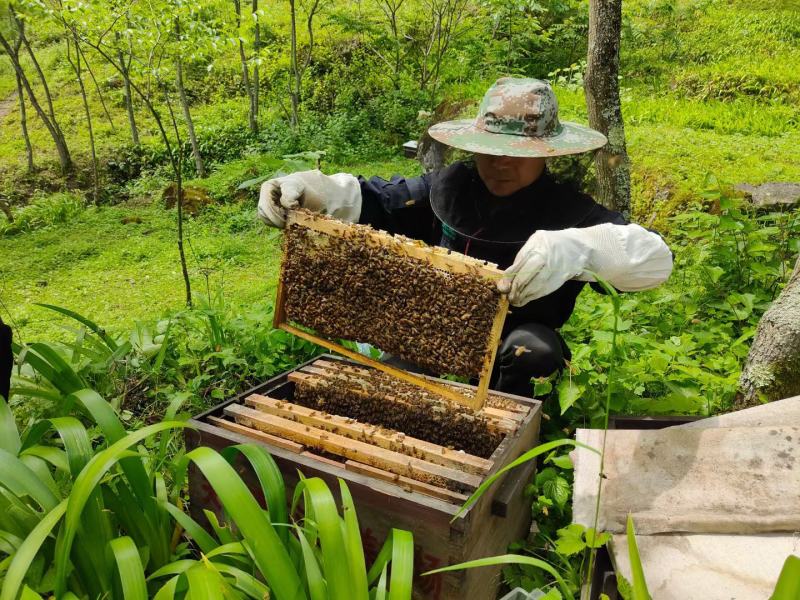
(772, 369)
(198, 160)
(76, 67)
(602, 101)
(64, 157)
(294, 88)
(126, 80)
(23, 121)
(251, 115)
(97, 89)
(256, 92)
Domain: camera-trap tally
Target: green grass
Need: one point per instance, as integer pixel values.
(118, 273)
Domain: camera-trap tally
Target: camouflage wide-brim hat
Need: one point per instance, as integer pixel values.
(518, 117)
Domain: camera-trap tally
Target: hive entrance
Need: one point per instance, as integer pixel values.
(346, 414)
(438, 310)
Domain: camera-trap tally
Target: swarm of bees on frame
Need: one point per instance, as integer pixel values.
(380, 400)
(353, 288)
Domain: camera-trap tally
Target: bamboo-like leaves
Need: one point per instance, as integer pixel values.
(640, 591)
(507, 559)
(129, 567)
(268, 552)
(529, 455)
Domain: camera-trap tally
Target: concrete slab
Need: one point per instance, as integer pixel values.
(725, 480)
(711, 567)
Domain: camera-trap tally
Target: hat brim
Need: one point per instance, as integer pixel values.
(463, 134)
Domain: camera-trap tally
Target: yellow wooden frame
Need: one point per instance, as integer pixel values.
(435, 257)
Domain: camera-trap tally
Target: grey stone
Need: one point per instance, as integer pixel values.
(718, 480)
(770, 195)
(711, 567)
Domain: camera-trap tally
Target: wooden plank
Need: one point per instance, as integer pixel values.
(353, 449)
(273, 440)
(441, 390)
(406, 483)
(493, 344)
(324, 459)
(389, 439)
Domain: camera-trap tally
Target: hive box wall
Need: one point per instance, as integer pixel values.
(500, 517)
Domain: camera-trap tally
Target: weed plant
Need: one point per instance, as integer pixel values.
(97, 511)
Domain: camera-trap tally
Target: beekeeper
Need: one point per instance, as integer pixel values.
(502, 206)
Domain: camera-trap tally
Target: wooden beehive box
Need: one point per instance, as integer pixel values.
(396, 479)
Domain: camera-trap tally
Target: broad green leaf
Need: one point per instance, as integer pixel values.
(505, 559)
(402, 575)
(640, 591)
(529, 455)
(595, 540)
(568, 393)
(788, 584)
(24, 556)
(129, 568)
(557, 489)
(570, 540)
(84, 486)
(9, 435)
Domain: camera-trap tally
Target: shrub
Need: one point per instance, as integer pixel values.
(45, 211)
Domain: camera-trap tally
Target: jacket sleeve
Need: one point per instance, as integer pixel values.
(645, 257)
(400, 205)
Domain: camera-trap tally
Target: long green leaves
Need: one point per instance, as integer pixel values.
(129, 566)
(505, 559)
(85, 485)
(268, 552)
(640, 591)
(788, 585)
(118, 522)
(26, 553)
(529, 455)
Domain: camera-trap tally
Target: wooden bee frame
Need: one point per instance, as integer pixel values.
(431, 257)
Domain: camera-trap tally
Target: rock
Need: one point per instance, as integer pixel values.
(194, 198)
(771, 195)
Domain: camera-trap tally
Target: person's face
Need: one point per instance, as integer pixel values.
(504, 175)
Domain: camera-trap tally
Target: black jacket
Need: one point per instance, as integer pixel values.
(452, 208)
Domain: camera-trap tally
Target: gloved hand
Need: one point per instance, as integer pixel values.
(338, 196)
(628, 257)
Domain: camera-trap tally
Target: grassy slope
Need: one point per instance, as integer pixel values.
(117, 274)
(677, 63)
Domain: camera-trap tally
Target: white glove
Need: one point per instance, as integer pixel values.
(628, 257)
(338, 196)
